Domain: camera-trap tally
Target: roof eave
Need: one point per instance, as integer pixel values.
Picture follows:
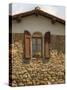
(39, 12)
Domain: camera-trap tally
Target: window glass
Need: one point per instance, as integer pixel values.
(36, 46)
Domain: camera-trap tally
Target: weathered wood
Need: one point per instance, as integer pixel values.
(27, 45)
(46, 45)
(47, 52)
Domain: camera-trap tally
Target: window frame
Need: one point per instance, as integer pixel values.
(41, 46)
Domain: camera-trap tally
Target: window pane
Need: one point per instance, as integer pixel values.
(34, 41)
(36, 46)
(39, 41)
(33, 46)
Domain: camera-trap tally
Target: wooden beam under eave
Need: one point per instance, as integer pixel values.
(18, 19)
(53, 20)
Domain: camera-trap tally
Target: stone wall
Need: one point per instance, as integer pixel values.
(17, 37)
(58, 42)
(37, 72)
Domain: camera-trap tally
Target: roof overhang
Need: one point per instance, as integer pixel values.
(37, 12)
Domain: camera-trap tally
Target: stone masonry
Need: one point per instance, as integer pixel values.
(37, 72)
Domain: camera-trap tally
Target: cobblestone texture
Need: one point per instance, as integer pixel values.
(37, 72)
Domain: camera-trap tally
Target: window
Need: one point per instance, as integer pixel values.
(37, 44)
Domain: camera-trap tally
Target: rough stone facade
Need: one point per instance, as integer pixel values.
(58, 42)
(37, 72)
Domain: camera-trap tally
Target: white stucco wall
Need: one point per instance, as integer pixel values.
(40, 23)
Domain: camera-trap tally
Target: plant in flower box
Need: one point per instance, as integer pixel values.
(38, 55)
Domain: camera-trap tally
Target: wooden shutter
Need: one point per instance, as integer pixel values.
(27, 45)
(46, 45)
